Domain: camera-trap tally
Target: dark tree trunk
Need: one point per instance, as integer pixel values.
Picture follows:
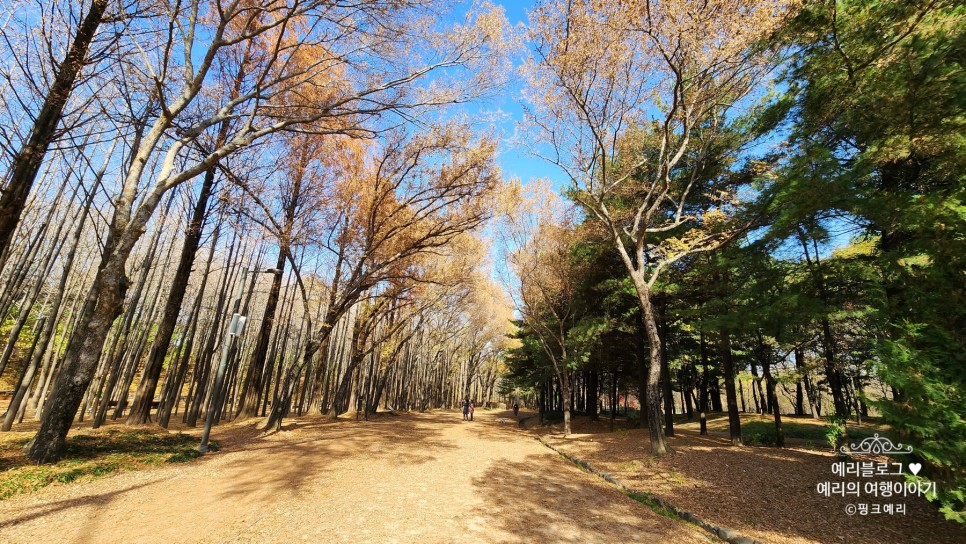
(773, 402)
(641, 357)
(861, 406)
(715, 388)
(592, 395)
(799, 399)
(806, 382)
(540, 404)
(248, 406)
(666, 377)
(101, 307)
(832, 372)
(26, 163)
(828, 341)
(734, 419)
(565, 399)
(756, 392)
(687, 388)
(281, 405)
(172, 396)
(668, 396)
(705, 376)
(141, 407)
(652, 395)
(741, 391)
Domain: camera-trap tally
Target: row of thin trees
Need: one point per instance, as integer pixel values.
(243, 208)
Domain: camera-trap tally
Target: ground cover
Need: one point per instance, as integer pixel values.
(90, 454)
(764, 493)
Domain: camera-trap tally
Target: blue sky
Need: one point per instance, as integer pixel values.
(514, 159)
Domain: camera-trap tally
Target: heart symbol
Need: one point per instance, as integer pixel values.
(914, 468)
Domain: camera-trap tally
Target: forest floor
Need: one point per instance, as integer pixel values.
(399, 478)
(765, 493)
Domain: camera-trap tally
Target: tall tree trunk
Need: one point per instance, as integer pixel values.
(703, 395)
(773, 402)
(715, 388)
(687, 388)
(832, 371)
(593, 395)
(281, 405)
(734, 419)
(23, 384)
(566, 399)
(754, 396)
(668, 394)
(741, 391)
(26, 162)
(799, 399)
(861, 407)
(248, 405)
(172, 396)
(828, 341)
(101, 307)
(652, 394)
(666, 376)
(807, 383)
(642, 358)
(141, 407)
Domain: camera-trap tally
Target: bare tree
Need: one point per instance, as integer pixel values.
(542, 236)
(350, 72)
(630, 101)
(413, 197)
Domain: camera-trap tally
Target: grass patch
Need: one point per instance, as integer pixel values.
(762, 432)
(91, 456)
(676, 477)
(629, 466)
(649, 502)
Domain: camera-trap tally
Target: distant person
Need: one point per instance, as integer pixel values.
(466, 409)
(472, 409)
(516, 408)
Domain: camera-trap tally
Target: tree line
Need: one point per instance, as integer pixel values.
(244, 208)
(762, 203)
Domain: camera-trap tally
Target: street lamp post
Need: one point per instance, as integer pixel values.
(236, 326)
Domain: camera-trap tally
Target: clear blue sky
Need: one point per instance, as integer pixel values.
(514, 158)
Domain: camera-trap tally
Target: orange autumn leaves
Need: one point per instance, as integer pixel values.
(405, 209)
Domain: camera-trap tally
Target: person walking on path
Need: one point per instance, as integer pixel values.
(466, 409)
(516, 408)
(472, 409)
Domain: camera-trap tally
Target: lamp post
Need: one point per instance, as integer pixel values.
(236, 325)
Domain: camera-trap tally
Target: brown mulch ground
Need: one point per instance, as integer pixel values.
(764, 493)
(420, 478)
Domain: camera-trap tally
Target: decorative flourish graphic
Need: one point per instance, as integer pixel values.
(877, 444)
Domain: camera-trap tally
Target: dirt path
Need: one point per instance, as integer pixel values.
(411, 478)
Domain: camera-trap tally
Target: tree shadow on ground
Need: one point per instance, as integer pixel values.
(763, 492)
(286, 461)
(248, 472)
(537, 499)
(53, 508)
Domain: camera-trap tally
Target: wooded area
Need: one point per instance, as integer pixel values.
(231, 209)
(766, 206)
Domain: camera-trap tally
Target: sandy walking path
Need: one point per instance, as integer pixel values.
(411, 478)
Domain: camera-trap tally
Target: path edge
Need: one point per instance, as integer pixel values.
(728, 535)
